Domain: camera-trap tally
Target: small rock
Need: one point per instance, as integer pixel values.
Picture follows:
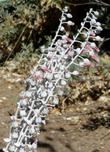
(52, 132)
(16, 75)
(74, 119)
(104, 99)
(1, 101)
(85, 109)
(18, 80)
(9, 87)
(11, 80)
(69, 118)
(4, 98)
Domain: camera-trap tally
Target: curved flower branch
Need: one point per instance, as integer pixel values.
(50, 76)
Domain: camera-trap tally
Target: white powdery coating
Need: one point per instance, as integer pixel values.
(69, 15)
(48, 79)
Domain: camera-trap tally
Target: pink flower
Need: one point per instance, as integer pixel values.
(88, 47)
(92, 34)
(86, 63)
(50, 55)
(38, 76)
(97, 49)
(45, 69)
(70, 53)
(95, 57)
(67, 39)
(84, 51)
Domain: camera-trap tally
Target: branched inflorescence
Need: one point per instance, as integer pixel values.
(50, 76)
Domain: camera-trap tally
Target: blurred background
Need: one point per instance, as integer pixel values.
(81, 123)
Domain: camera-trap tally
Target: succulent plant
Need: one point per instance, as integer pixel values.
(50, 76)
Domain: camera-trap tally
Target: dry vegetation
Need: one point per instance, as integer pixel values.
(81, 122)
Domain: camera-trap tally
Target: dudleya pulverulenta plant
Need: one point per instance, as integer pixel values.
(50, 76)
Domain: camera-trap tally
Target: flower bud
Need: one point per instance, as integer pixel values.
(15, 135)
(62, 28)
(75, 73)
(98, 38)
(87, 62)
(55, 101)
(78, 50)
(34, 145)
(96, 13)
(38, 120)
(18, 144)
(70, 23)
(60, 92)
(50, 85)
(56, 76)
(70, 53)
(14, 124)
(27, 121)
(82, 24)
(29, 146)
(7, 140)
(4, 150)
(11, 148)
(99, 28)
(63, 82)
(93, 21)
(69, 15)
(43, 94)
(93, 45)
(65, 46)
(66, 9)
(28, 94)
(32, 130)
(23, 102)
(91, 53)
(21, 149)
(38, 76)
(64, 37)
(45, 111)
(49, 76)
(98, 24)
(63, 18)
(13, 118)
(50, 55)
(62, 67)
(67, 75)
(22, 113)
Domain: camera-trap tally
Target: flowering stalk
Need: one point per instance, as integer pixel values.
(50, 76)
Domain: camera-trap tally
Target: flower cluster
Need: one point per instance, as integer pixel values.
(49, 77)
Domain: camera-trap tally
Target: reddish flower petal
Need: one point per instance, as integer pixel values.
(95, 57)
(97, 49)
